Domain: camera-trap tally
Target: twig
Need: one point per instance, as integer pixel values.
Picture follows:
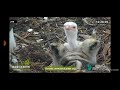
(34, 35)
(48, 40)
(26, 41)
(27, 34)
(60, 39)
(106, 37)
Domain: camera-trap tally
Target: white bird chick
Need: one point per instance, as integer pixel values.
(71, 33)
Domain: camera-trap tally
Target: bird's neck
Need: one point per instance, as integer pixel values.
(72, 38)
(71, 35)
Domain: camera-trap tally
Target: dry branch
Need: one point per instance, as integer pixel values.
(26, 41)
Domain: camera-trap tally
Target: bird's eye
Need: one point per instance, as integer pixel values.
(73, 26)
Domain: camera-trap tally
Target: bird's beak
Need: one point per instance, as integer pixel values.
(67, 28)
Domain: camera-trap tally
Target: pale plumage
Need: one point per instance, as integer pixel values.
(12, 46)
(71, 33)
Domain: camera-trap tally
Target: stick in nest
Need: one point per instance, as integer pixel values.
(26, 41)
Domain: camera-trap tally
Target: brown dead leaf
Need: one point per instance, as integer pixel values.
(106, 53)
(105, 49)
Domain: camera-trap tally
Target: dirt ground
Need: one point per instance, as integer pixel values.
(35, 44)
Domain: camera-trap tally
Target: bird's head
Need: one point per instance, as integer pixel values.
(71, 31)
(11, 25)
(70, 26)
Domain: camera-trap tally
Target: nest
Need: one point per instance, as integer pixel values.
(52, 31)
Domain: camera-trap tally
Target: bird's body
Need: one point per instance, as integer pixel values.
(73, 46)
